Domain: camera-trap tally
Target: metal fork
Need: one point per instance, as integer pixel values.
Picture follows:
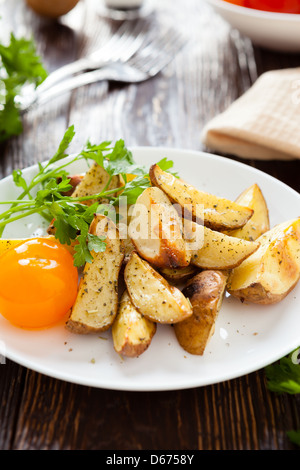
(143, 65)
(121, 46)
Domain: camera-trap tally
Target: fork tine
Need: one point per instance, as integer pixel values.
(132, 46)
(156, 55)
(172, 48)
(124, 43)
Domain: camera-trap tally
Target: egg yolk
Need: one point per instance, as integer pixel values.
(38, 283)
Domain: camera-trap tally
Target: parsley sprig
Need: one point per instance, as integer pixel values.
(284, 377)
(45, 193)
(19, 66)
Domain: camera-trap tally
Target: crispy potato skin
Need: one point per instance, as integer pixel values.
(205, 292)
(257, 294)
(259, 223)
(215, 212)
(178, 274)
(267, 276)
(96, 304)
(155, 229)
(152, 295)
(132, 333)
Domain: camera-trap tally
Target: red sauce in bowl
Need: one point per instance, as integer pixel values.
(275, 6)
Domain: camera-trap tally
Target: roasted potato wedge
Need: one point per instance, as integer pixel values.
(217, 251)
(269, 274)
(259, 223)
(128, 248)
(155, 229)
(132, 333)
(178, 274)
(94, 181)
(215, 212)
(97, 301)
(205, 292)
(152, 295)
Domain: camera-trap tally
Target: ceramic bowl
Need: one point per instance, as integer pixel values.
(276, 31)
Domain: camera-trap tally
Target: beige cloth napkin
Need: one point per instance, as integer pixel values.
(264, 123)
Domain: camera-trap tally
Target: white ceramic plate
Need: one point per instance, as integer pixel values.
(247, 337)
(277, 31)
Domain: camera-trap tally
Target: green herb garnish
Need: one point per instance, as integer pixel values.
(19, 66)
(284, 377)
(45, 193)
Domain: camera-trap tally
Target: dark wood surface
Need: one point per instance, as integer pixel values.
(218, 65)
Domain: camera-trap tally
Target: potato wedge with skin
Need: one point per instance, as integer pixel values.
(152, 295)
(96, 304)
(132, 333)
(269, 274)
(218, 250)
(178, 274)
(94, 181)
(215, 212)
(128, 248)
(259, 223)
(205, 292)
(155, 229)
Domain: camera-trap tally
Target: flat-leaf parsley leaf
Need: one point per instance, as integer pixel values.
(46, 193)
(19, 66)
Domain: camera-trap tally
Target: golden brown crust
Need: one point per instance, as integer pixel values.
(256, 293)
(81, 328)
(215, 212)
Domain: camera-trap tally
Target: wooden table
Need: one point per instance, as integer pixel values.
(38, 412)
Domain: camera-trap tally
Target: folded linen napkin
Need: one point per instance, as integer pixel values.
(264, 123)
